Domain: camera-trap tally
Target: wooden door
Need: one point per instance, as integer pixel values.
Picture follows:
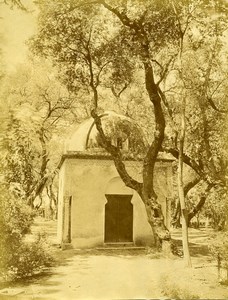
(118, 219)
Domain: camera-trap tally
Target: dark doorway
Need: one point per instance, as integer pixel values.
(118, 219)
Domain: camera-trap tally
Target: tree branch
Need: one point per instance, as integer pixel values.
(215, 107)
(99, 73)
(122, 17)
(117, 94)
(200, 204)
(196, 208)
(186, 159)
(164, 70)
(116, 155)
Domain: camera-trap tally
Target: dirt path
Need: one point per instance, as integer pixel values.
(120, 275)
(99, 277)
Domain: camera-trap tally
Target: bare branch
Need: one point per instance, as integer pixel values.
(117, 94)
(211, 102)
(157, 63)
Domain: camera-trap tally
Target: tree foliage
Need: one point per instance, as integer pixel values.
(38, 109)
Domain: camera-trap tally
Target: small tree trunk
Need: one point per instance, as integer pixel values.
(186, 252)
(219, 267)
(184, 216)
(184, 213)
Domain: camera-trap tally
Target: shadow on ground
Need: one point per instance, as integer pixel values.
(196, 249)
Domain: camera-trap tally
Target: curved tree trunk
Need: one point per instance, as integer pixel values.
(153, 207)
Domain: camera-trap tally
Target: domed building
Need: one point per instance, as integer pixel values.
(95, 208)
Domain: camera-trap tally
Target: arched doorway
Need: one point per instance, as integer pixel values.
(118, 213)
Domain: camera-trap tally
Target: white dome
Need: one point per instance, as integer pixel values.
(116, 127)
(77, 142)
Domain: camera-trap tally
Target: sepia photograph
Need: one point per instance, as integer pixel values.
(113, 149)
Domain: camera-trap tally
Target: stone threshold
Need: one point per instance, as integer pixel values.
(120, 246)
(106, 246)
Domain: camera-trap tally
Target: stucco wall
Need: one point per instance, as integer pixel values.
(86, 181)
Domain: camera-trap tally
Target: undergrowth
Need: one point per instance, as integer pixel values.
(175, 290)
(19, 258)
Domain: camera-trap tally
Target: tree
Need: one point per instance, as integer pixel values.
(38, 109)
(206, 111)
(141, 46)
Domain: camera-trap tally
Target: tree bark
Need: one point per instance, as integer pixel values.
(156, 220)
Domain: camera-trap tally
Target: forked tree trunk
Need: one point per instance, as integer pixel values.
(146, 188)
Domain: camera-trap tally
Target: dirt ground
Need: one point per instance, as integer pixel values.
(103, 274)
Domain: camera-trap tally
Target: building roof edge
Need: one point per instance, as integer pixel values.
(101, 155)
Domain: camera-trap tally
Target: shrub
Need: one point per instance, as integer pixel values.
(16, 216)
(15, 220)
(28, 259)
(218, 248)
(19, 259)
